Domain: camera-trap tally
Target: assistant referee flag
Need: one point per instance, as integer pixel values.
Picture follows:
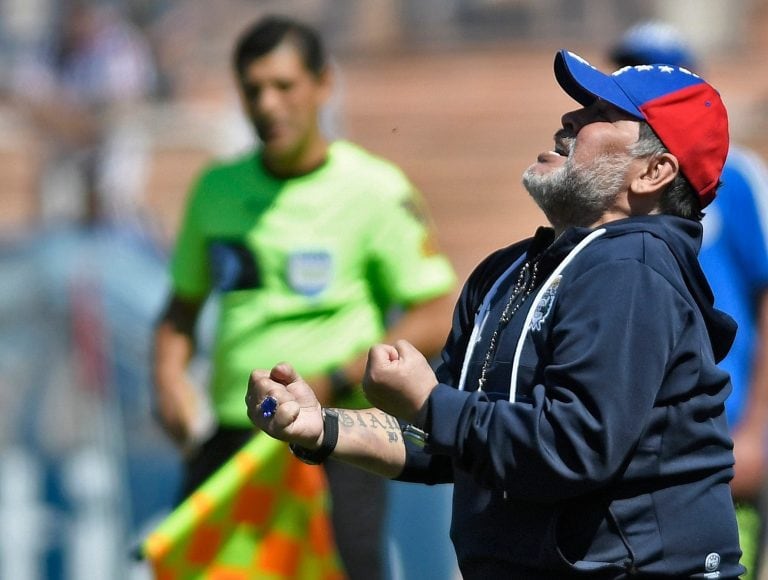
(263, 515)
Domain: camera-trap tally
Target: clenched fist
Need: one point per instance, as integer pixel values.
(297, 417)
(398, 379)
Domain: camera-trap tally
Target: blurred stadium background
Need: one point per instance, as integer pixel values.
(460, 93)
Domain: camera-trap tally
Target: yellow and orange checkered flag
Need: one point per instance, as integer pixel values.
(262, 516)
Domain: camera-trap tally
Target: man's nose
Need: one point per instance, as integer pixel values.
(572, 121)
(267, 101)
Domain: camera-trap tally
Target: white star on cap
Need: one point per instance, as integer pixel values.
(666, 68)
(581, 60)
(644, 67)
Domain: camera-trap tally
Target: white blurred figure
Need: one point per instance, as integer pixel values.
(94, 536)
(82, 93)
(24, 523)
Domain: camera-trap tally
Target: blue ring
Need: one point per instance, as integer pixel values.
(268, 407)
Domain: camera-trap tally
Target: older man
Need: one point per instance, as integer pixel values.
(579, 409)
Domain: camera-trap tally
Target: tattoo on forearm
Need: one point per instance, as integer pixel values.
(346, 419)
(376, 422)
(350, 418)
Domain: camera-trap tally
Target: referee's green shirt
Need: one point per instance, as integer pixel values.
(307, 268)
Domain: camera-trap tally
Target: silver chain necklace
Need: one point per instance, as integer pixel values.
(524, 285)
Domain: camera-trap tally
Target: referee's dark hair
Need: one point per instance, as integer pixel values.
(267, 33)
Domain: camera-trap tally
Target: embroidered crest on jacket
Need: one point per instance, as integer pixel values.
(544, 305)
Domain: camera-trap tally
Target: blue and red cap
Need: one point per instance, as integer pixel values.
(684, 111)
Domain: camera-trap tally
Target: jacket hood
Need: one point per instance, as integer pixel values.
(683, 238)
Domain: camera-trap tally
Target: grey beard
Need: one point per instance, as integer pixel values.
(578, 196)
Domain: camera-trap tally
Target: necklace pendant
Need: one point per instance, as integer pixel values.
(525, 284)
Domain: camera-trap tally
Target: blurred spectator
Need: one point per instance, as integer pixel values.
(309, 244)
(77, 419)
(734, 256)
(81, 92)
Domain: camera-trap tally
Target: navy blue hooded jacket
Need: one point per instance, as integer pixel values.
(613, 457)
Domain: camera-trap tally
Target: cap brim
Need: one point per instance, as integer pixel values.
(584, 83)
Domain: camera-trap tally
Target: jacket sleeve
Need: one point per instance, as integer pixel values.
(613, 330)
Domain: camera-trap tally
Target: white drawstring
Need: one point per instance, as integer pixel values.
(529, 317)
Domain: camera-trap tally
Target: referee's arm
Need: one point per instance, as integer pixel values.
(176, 401)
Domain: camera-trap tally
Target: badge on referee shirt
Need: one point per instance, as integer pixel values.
(310, 272)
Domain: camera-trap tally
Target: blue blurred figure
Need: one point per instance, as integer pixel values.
(734, 256)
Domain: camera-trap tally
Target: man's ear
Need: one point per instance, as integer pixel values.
(659, 172)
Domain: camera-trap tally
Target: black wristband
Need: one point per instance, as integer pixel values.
(330, 438)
